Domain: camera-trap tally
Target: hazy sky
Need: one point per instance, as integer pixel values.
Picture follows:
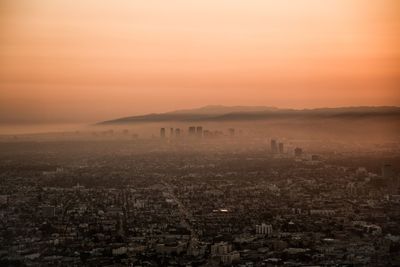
(67, 61)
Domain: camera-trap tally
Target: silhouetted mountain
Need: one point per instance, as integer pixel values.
(215, 110)
(246, 113)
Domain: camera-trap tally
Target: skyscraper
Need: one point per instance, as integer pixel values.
(192, 131)
(199, 131)
(177, 132)
(274, 146)
(162, 132)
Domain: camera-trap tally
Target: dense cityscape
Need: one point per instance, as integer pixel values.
(204, 133)
(197, 198)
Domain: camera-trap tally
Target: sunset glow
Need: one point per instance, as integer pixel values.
(82, 61)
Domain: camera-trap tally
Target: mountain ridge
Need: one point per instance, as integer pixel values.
(237, 113)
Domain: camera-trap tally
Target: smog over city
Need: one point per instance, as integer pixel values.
(199, 133)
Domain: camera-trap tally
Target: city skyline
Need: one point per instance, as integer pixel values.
(200, 133)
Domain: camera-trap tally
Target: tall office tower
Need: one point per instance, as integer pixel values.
(162, 132)
(280, 146)
(274, 146)
(192, 131)
(387, 171)
(199, 131)
(298, 152)
(231, 132)
(177, 132)
(171, 132)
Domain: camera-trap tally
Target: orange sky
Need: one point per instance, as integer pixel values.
(71, 61)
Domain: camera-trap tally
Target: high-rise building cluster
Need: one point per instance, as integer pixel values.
(172, 132)
(277, 147)
(196, 132)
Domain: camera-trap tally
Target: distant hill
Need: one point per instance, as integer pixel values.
(221, 110)
(248, 113)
